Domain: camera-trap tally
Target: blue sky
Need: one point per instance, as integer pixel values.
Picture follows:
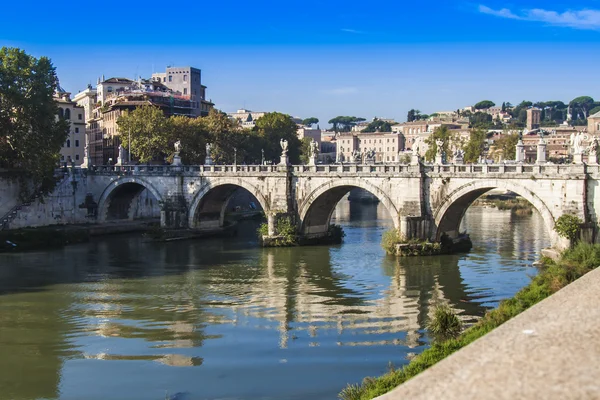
(315, 58)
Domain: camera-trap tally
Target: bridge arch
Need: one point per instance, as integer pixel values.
(316, 209)
(117, 198)
(207, 209)
(449, 214)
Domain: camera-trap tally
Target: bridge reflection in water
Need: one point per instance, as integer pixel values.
(113, 317)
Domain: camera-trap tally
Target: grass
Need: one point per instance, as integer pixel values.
(553, 276)
(445, 323)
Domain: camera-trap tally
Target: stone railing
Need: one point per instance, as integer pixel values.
(349, 169)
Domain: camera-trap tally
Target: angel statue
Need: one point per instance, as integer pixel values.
(593, 147)
(439, 143)
(314, 148)
(284, 146)
(208, 147)
(575, 142)
(178, 147)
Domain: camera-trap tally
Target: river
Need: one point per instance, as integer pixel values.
(224, 319)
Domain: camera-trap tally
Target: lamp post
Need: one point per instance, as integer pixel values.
(235, 156)
(129, 147)
(262, 159)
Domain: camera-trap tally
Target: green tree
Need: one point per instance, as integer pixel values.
(151, 133)
(475, 146)
(595, 110)
(305, 149)
(503, 106)
(580, 107)
(506, 145)
(31, 135)
(441, 133)
(344, 123)
(484, 105)
(480, 120)
(272, 127)
(378, 124)
(193, 134)
(310, 121)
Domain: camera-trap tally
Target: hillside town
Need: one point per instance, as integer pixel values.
(179, 91)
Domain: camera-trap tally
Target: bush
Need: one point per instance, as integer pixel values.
(389, 241)
(445, 323)
(568, 226)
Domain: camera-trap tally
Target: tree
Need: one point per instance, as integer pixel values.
(595, 110)
(310, 121)
(193, 134)
(31, 135)
(484, 105)
(305, 149)
(441, 133)
(150, 130)
(503, 107)
(506, 145)
(475, 146)
(480, 120)
(580, 107)
(378, 125)
(272, 127)
(344, 123)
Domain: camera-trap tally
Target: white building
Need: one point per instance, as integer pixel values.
(73, 148)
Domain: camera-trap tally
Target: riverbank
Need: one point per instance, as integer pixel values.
(57, 236)
(516, 204)
(554, 275)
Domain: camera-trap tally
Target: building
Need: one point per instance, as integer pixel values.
(594, 124)
(386, 145)
(246, 118)
(88, 99)
(73, 149)
(186, 81)
(533, 118)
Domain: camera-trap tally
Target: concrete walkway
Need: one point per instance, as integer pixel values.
(551, 351)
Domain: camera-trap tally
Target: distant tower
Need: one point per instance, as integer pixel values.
(533, 118)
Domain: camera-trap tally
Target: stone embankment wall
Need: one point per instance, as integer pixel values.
(9, 192)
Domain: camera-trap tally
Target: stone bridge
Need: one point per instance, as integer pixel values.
(423, 200)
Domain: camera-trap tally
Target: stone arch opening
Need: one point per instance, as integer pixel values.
(129, 200)
(449, 215)
(215, 202)
(316, 212)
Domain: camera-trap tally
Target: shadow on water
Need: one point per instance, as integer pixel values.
(118, 314)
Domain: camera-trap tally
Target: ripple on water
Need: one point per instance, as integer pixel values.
(116, 316)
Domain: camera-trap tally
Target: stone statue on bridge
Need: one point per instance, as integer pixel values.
(208, 160)
(314, 148)
(178, 147)
(284, 146)
(356, 156)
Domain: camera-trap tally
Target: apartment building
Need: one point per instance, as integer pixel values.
(74, 147)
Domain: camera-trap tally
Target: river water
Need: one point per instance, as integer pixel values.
(224, 319)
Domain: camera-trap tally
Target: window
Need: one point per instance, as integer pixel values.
(164, 79)
(61, 113)
(184, 90)
(76, 143)
(109, 89)
(62, 158)
(170, 78)
(77, 156)
(185, 78)
(68, 143)
(77, 129)
(79, 117)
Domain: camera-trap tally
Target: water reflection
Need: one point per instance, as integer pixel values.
(113, 317)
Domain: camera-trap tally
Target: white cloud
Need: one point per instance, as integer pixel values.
(583, 19)
(352, 31)
(340, 91)
(505, 12)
